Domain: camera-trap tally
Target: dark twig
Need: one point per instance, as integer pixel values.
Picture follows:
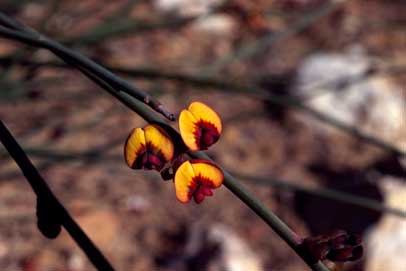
(229, 181)
(322, 192)
(125, 27)
(262, 44)
(45, 195)
(16, 31)
(245, 89)
(98, 154)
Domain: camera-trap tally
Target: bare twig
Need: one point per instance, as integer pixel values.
(249, 90)
(262, 44)
(91, 156)
(45, 195)
(229, 181)
(16, 31)
(322, 192)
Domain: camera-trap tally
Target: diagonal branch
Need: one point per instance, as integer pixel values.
(251, 90)
(288, 235)
(45, 195)
(260, 45)
(15, 31)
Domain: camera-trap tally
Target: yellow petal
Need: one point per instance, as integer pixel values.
(187, 127)
(157, 138)
(184, 182)
(134, 145)
(203, 112)
(199, 116)
(209, 173)
(194, 173)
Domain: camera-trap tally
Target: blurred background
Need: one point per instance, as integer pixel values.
(343, 59)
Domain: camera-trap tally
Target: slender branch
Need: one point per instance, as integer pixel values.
(289, 236)
(92, 155)
(45, 194)
(28, 36)
(262, 44)
(323, 192)
(249, 90)
(109, 30)
(229, 181)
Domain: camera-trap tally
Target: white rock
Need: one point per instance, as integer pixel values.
(385, 244)
(186, 7)
(217, 24)
(236, 254)
(371, 103)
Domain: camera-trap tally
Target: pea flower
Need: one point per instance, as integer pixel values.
(148, 148)
(200, 126)
(197, 178)
(152, 147)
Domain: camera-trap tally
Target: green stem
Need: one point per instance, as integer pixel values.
(323, 192)
(262, 44)
(93, 72)
(289, 236)
(246, 89)
(16, 31)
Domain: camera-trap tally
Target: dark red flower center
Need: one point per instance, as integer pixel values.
(206, 134)
(149, 157)
(203, 189)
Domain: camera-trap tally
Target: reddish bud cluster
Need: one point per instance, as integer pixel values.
(338, 246)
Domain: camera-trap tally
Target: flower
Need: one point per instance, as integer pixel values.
(153, 146)
(196, 178)
(148, 148)
(200, 127)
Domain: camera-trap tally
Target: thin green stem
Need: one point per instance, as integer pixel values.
(249, 90)
(103, 78)
(229, 181)
(28, 36)
(322, 192)
(262, 44)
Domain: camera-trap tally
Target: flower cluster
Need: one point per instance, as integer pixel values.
(152, 148)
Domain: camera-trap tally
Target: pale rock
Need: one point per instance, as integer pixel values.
(385, 243)
(76, 262)
(3, 249)
(138, 203)
(220, 24)
(336, 85)
(236, 255)
(187, 7)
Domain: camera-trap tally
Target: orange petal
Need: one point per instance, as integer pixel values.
(209, 174)
(200, 126)
(134, 146)
(185, 183)
(187, 127)
(203, 112)
(196, 177)
(151, 140)
(157, 138)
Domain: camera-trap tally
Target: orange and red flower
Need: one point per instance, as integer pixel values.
(197, 179)
(200, 126)
(152, 148)
(148, 148)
